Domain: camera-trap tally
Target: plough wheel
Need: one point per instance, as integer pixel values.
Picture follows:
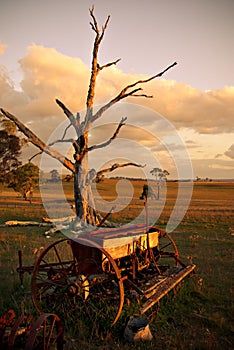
(61, 284)
(105, 288)
(45, 334)
(53, 274)
(166, 253)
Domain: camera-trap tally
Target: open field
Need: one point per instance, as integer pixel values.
(199, 316)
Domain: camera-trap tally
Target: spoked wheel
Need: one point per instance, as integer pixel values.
(46, 334)
(53, 279)
(166, 255)
(76, 279)
(102, 293)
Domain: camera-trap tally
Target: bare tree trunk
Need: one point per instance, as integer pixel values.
(84, 202)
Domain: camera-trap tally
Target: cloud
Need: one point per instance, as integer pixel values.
(230, 152)
(205, 112)
(48, 74)
(219, 155)
(2, 48)
(214, 168)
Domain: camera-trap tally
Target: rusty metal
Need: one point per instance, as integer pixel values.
(19, 329)
(22, 269)
(46, 332)
(60, 281)
(106, 216)
(6, 322)
(24, 333)
(87, 275)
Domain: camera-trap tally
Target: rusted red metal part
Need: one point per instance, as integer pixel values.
(21, 269)
(20, 327)
(87, 243)
(6, 320)
(141, 267)
(47, 331)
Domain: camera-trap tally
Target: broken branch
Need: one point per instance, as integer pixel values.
(108, 64)
(36, 141)
(74, 121)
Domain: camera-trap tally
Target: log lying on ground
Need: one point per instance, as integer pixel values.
(26, 223)
(66, 219)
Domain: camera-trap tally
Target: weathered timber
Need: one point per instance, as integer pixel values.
(165, 287)
(26, 223)
(121, 242)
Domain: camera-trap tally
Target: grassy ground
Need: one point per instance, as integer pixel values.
(197, 316)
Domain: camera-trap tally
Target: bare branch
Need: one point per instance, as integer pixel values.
(65, 131)
(142, 95)
(61, 141)
(151, 78)
(104, 28)
(114, 136)
(124, 94)
(95, 67)
(35, 155)
(116, 166)
(108, 64)
(36, 141)
(78, 118)
(94, 25)
(74, 121)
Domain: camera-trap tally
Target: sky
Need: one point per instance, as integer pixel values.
(46, 51)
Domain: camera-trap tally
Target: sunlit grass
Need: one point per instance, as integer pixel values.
(197, 316)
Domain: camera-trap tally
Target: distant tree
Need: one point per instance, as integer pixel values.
(160, 175)
(155, 172)
(24, 180)
(10, 150)
(165, 175)
(69, 177)
(55, 177)
(10, 147)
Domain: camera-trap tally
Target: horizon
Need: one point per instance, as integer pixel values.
(195, 98)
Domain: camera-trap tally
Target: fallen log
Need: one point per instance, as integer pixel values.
(66, 219)
(26, 223)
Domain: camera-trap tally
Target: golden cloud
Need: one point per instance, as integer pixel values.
(2, 49)
(48, 74)
(230, 152)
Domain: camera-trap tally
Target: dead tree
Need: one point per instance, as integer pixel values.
(83, 177)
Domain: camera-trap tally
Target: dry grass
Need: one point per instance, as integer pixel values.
(199, 316)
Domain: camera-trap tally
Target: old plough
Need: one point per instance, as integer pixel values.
(99, 273)
(23, 332)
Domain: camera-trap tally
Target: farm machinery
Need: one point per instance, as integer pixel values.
(96, 275)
